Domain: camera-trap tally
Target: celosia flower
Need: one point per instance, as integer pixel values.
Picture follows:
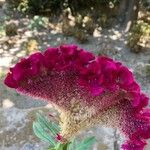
(86, 90)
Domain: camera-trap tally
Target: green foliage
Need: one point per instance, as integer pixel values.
(38, 22)
(79, 5)
(23, 6)
(147, 70)
(41, 6)
(47, 131)
(2, 30)
(30, 45)
(52, 6)
(13, 3)
(2, 74)
(42, 134)
(139, 29)
(11, 29)
(56, 7)
(146, 4)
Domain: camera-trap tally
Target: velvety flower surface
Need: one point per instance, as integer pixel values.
(87, 89)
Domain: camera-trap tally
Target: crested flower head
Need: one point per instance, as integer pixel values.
(86, 89)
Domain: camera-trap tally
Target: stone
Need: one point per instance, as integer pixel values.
(16, 129)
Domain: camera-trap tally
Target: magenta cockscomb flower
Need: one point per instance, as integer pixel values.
(86, 90)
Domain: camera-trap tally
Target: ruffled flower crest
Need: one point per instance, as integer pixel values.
(87, 89)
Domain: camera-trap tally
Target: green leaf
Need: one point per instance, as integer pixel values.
(65, 146)
(42, 134)
(50, 126)
(50, 149)
(71, 145)
(86, 143)
(59, 146)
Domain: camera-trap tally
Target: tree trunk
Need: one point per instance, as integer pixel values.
(128, 13)
(132, 14)
(121, 12)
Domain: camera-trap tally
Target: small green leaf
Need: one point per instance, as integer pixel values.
(51, 126)
(40, 133)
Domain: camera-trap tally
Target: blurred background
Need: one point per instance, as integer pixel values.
(116, 28)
